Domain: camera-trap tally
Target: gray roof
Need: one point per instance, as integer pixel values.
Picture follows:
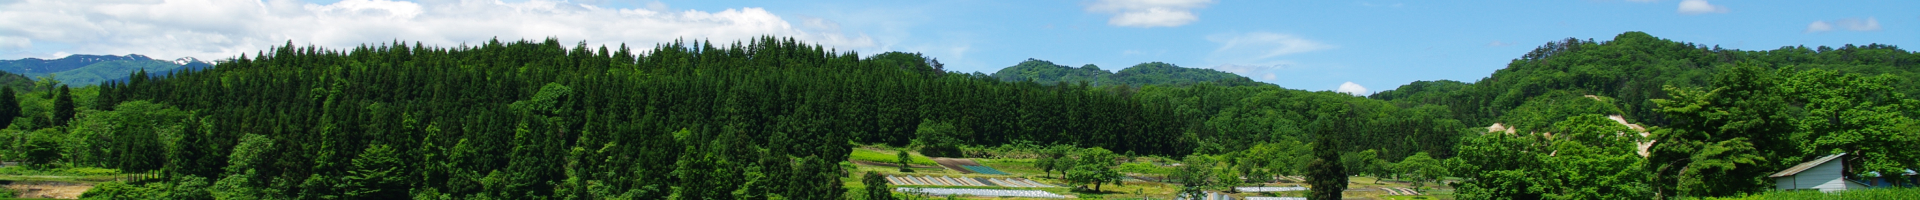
(1806, 165)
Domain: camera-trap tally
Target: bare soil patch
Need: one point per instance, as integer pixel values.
(48, 189)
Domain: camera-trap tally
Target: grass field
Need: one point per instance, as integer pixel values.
(1877, 193)
(888, 156)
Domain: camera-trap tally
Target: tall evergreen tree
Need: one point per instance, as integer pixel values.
(62, 106)
(1325, 173)
(9, 106)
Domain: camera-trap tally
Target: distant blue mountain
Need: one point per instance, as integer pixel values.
(94, 69)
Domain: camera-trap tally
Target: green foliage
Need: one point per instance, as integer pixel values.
(1325, 173)
(63, 109)
(118, 190)
(938, 139)
(128, 137)
(1195, 175)
(1045, 72)
(377, 174)
(9, 106)
(1421, 168)
(1858, 115)
(1264, 160)
(41, 149)
(1326, 177)
(902, 158)
(1593, 158)
(1363, 162)
(1094, 166)
(877, 188)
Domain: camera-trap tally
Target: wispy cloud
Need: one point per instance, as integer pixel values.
(1258, 54)
(1149, 13)
(1851, 24)
(224, 28)
(1263, 45)
(1497, 43)
(1695, 7)
(1371, 4)
(1263, 72)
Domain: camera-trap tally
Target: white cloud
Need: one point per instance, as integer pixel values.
(1497, 43)
(1371, 4)
(1352, 88)
(1149, 13)
(226, 28)
(1819, 26)
(1694, 7)
(8, 43)
(1265, 72)
(1256, 54)
(1851, 24)
(1262, 45)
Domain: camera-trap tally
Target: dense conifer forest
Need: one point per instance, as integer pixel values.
(776, 118)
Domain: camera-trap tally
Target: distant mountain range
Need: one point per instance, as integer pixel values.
(94, 69)
(1151, 73)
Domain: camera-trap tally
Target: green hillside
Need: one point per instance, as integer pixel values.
(111, 70)
(1151, 73)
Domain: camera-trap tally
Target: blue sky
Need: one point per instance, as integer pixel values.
(1312, 45)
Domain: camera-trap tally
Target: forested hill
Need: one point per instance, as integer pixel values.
(774, 117)
(1151, 73)
(1632, 69)
(1719, 121)
(531, 119)
(91, 69)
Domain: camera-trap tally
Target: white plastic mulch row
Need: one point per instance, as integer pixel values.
(962, 181)
(1208, 196)
(1003, 183)
(982, 192)
(930, 180)
(1270, 189)
(1035, 184)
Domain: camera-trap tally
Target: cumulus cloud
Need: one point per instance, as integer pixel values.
(1851, 24)
(225, 28)
(1352, 88)
(1149, 13)
(1694, 7)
